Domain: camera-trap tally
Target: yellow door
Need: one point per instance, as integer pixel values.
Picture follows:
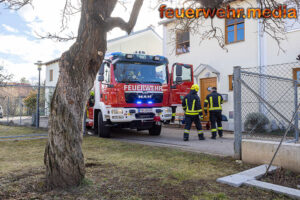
(205, 84)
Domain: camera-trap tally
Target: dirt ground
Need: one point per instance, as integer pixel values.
(121, 170)
(284, 177)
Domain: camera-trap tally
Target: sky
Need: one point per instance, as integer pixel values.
(20, 46)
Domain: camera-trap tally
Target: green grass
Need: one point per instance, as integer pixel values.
(15, 131)
(118, 170)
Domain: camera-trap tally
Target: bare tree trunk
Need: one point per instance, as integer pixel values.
(78, 68)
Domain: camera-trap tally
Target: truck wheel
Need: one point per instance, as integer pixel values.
(102, 130)
(155, 130)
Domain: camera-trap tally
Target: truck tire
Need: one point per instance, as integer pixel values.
(155, 130)
(102, 130)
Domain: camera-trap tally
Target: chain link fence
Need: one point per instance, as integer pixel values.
(267, 99)
(18, 104)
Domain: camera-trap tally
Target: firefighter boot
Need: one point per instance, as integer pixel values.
(213, 135)
(173, 119)
(201, 136)
(220, 133)
(185, 137)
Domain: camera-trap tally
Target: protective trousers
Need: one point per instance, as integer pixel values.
(189, 119)
(216, 117)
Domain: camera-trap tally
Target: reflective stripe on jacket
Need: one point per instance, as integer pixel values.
(191, 104)
(213, 101)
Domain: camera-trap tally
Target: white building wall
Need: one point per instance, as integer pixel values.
(49, 91)
(146, 41)
(55, 68)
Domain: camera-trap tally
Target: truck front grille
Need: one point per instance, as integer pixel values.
(144, 98)
(144, 115)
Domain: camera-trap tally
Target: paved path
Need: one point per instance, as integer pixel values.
(173, 137)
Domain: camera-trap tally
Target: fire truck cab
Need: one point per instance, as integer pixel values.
(135, 91)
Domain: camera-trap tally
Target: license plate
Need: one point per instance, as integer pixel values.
(145, 110)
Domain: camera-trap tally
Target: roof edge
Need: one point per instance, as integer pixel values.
(51, 61)
(135, 33)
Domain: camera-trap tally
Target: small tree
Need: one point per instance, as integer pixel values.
(30, 101)
(24, 80)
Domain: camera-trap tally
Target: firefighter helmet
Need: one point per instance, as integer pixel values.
(92, 93)
(195, 87)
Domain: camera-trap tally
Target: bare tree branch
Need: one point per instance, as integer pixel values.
(4, 76)
(113, 22)
(68, 11)
(16, 4)
(57, 37)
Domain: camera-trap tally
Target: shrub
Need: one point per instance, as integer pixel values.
(30, 101)
(258, 121)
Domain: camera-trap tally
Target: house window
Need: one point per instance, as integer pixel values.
(182, 42)
(296, 74)
(230, 79)
(51, 75)
(234, 30)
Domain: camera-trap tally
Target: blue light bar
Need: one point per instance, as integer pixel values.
(129, 56)
(156, 58)
(150, 102)
(139, 102)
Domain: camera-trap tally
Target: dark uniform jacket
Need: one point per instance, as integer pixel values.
(213, 101)
(191, 104)
(91, 101)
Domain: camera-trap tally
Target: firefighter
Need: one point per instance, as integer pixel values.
(91, 102)
(92, 99)
(192, 107)
(213, 102)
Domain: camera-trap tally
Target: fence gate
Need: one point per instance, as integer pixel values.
(265, 101)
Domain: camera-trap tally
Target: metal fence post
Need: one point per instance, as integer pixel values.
(37, 125)
(20, 110)
(237, 113)
(296, 107)
(7, 110)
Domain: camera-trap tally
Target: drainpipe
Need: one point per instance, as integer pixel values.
(261, 60)
(164, 40)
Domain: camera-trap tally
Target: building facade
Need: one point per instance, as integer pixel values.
(244, 46)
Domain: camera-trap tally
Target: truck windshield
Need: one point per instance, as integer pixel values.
(140, 73)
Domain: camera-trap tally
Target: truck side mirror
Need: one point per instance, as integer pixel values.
(178, 70)
(100, 78)
(101, 71)
(178, 79)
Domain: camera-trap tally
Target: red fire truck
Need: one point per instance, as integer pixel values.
(136, 91)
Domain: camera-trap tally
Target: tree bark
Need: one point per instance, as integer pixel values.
(63, 157)
(78, 68)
